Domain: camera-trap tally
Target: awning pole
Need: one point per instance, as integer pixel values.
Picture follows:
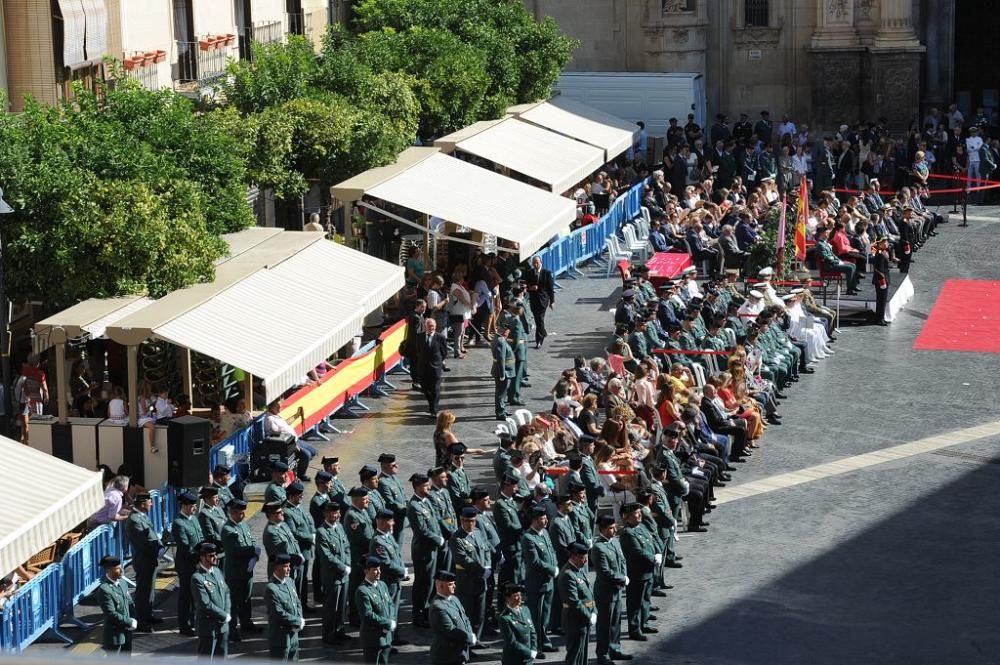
(248, 389)
(63, 383)
(185, 362)
(348, 224)
(133, 387)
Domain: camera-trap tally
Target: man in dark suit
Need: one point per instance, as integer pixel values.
(414, 327)
(541, 296)
(432, 349)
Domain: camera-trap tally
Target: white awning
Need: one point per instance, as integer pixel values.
(583, 123)
(74, 29)
(556, 160)
(89, 317)
(97, 28)
(471, 196)
(32, 520)
(278, 320)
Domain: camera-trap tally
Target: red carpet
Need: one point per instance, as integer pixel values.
(966, 317)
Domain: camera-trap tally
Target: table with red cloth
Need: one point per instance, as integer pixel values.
(666, 265)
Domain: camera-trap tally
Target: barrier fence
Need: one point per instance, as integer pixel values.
(562, 256)
(41, 604)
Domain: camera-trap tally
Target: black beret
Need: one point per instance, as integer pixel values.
(187, 498)
(110, 561)
(208, 490)
(386, 458)
(220, 469)
(295, 488)
(444, 576)
(358, 491)
(237, 503)
(605, 520)
(469, 512)
(578, 548)
(323, 477)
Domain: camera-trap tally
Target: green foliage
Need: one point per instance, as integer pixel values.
(126, 197)
(278, 73)
(764, 252)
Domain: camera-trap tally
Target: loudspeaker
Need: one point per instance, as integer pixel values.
(189, 441)
(271, 449)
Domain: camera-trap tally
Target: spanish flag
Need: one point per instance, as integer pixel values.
(800, 222)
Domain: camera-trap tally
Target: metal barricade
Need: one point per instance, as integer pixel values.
(32, 611)
(82, 570)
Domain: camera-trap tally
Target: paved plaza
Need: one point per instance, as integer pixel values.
(821, 552)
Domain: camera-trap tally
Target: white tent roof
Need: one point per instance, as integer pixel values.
(583, 123)
(471, 196)
(556, 160)
(32, 520)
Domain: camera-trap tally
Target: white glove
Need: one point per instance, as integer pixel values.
(314, 538)
(698, 473)
(227, 619)
(593, 619)
(533, 653)
(392, 626)
(347, 570)
(659, 559)
(302, 623)
(407, 572)
(440, 541)
(555, 571)
(626, 580)
(134, 625)
(474, 640)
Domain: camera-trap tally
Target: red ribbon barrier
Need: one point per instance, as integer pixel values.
(686, 352)
(563, 470)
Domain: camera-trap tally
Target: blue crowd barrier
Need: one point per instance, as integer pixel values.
(33, 611)
(81, 566)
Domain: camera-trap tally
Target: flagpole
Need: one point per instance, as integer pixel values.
(780, 258)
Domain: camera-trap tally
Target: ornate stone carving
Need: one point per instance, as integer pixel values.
(756, 37)
(675, 6)
(866, 8)
(681, 35)
(838, 9)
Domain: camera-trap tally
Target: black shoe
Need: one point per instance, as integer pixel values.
(649, 630)
(772, 421)
(604, 660)
(780, 395)
(725, 476)
(673, 564)
(446, 369)
(696, 529)
(638, 637)
(155, 621)
(678, 558)
(503, 416)
(807, 370)
(234, 635)
(540, 656)
(549, 648)
(739, 460)
(398, 642)
(526, 384)
(659, 593)
(730, 467)
(253, 628)
(518, 402)
(719, 483)
(143, 628)
(188, 632)
(618, 655)
(652, 617)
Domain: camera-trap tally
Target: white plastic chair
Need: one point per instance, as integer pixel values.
(644, 212)
(522, 416)
(634, 243)
(641, 228)
(615, 254)
(699, 374)
(502, 428)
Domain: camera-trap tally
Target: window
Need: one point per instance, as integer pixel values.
(756, 14)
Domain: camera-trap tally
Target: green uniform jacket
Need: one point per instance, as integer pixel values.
(275, 493)
(662, 509)
(118, 609)
(423, 520)
(375, 607)
(459, 488)
(508, 524)
(576, 597)
(518, 636)
(470, 556)
(316, 508)
(225, 495)
(211, 521)
(384, 545)
(590, 479)
(284, 612)
(608, 561)
(359, 529)
(451, 631)
(488, 529)
(375, 504)
(211, 599)
(504, 363)
(501, 462)
(144, 540)
(639, 547)
(278, 539)
(187, 535)
(241, 550)
(518, 334)
(445, 511)
(583, 524)
(393, 495)
(333, 553)
(562, 535)
(540, 565)
(302, 528)
(338, 493)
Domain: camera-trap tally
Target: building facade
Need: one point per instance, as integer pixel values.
(820, 61)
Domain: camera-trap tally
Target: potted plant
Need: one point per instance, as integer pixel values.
(230, 39)
(131, 63)
(149, 57)
(206, 42)
(160, 56)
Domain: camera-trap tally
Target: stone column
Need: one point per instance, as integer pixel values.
(835, 63)
(892, 67)
(866, 20)
(896, 25)
(835, 25)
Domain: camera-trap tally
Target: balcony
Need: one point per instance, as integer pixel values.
(148, 77)
(310, 24)
(200, 64)
(263, 32)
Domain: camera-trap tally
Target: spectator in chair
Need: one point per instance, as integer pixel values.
(276, 425)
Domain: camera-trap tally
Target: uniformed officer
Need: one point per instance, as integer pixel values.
(608, 562)
(241, 558)
(513, 320)
(384, 546)
(501, 458)
(304, 531)
(503, 371)
(509, 528)
(333, 559)
(392, 493)
(578, 612)
(319, 500)
(338, 492)
(220, 481)
(427, 539)
(562, 536)
(375, 610)
(451, 631)
(458, 481)
(284, 609)
(117, 608)
(146, 550)
(581, 517)
(359, 528)
(370, 481)
(211, 518)
(212, 603)
(487, 526)
(641, 558)
(626, 311)
(275, 491)
(187, 536)
(666, 514)
(471, 556)
(279, 539)
(540, 570)
(520, 647)
(445, 512)
(645, 498)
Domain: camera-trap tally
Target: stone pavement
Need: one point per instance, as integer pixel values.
(884, 562)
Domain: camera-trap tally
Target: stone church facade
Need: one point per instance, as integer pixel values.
(820, 61)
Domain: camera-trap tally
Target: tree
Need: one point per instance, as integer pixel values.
(277, 73)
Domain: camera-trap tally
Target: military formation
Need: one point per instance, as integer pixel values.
(485, 562)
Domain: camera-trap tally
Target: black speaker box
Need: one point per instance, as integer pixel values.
(189, 441)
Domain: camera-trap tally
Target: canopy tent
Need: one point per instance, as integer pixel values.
(428, 182)
(581, 122)
(538, 153)
(33, 520)
(276, 309)
(90, 318)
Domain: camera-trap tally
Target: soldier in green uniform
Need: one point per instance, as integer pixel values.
(471, 556)
(578, 612)
(392, 493)
(220, 481)
(284, 609)
(712, 339)
(445, 512)
(370, 481)
(187, 536)
(520, 647)
(486, 523)
(338, 492)
(503, 371)
(608, 562)
(211, 518)
(512, 320)
(117, 607)
(393, 571)
(458, 482)
(540, 570)
(275, 491)
(641, 558)
(637, 340)
(581, 517)
(562, 535)
(212, 602)
(146, 550)
(666, 516)
(333, 558)
(673, 343)
(319, 500)
(424, 545)
(501, 458)
(375, 610)
(451, 632)
(241, 558)
(304, 531)
(279, 539)
(509, 528)
(588, 474)
(359, 528)
(645, 498)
